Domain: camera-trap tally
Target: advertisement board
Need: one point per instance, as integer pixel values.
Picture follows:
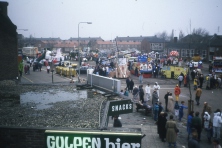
(120, 107)
(92, 139)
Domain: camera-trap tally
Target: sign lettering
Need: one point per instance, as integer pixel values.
(92, 139)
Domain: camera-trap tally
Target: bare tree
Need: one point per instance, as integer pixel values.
(181, 34)
(162, 35)
(200, 31)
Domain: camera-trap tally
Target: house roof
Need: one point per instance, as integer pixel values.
(66, 43)
(86, 39)
(154, 39)
(128, 38)
(48, 39)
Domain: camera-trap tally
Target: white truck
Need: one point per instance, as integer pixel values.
(30, 52)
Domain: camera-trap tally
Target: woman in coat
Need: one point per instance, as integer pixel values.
(171, 135)
(161, 123)
(170, 102)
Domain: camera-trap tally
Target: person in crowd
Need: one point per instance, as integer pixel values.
(198, 94)
(171, 135)
(141, 93)
(192, 74)
(117, 122)
(126, 92)
(136, 72)
(135, 94)
(155, 97)
(180, 79)
(21, 68)
(40, 67)
(176, 109)
(147, 91)
(127, 83)
(166, 100)
(155, 111)
(161, 124)
(141, 78)
(28, 69)
(185, 80)
(160, 108)
(48, 69)
(170, 102)
(216, 143)
(208, 127)
(131, 85)
(195, 83)
(206, 118)
(201, 79)
(196, 123)
(217, 124)
(25, 69)
(177, 92)
(208, 82)
(193, 142)
(155, 72)
(206, 108)
(157, 88)
(121, 92)
(181, 107)
(189, 123)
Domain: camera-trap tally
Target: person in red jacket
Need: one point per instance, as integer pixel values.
(177, 92)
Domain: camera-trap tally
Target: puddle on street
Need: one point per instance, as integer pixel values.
(44, 100)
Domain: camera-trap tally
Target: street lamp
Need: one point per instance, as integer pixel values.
(78, 46)
(23, 29)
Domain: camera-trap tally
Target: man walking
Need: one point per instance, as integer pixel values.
(198, 94)
(180, 78)
(147, 91)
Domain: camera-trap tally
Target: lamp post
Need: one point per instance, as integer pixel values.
(78, 46)
(23, 29)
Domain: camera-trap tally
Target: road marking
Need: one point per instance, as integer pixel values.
(28, 79)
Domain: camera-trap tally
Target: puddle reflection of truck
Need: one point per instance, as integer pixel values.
(30, 52)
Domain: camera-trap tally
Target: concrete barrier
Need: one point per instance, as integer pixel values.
(105, 83)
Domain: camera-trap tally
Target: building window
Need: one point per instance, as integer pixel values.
(204, 53)
(191, 53)
(183, 53)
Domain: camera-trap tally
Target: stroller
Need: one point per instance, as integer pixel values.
(146, 107)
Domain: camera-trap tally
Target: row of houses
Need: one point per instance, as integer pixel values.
(206, 47)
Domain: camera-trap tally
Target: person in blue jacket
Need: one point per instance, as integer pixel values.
(182, 106)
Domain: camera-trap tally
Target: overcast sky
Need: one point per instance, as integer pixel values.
(111, 18)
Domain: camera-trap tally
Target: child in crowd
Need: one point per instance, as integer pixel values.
(176, 109)
(195, 83)
(182, 106)
(126, 93)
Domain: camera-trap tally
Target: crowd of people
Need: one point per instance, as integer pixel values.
(196, 121)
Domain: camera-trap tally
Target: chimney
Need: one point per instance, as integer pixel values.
(3, 8)
(175, 39)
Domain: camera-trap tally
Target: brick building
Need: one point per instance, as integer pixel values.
(8, 46)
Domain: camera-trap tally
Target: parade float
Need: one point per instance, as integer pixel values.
(173, 68)
(143, 66)
(121, 68)
(196, 60)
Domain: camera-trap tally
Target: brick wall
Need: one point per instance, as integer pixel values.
(8, 46)
(22, 137)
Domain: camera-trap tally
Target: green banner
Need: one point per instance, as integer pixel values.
(120, 107)
(92, 139)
